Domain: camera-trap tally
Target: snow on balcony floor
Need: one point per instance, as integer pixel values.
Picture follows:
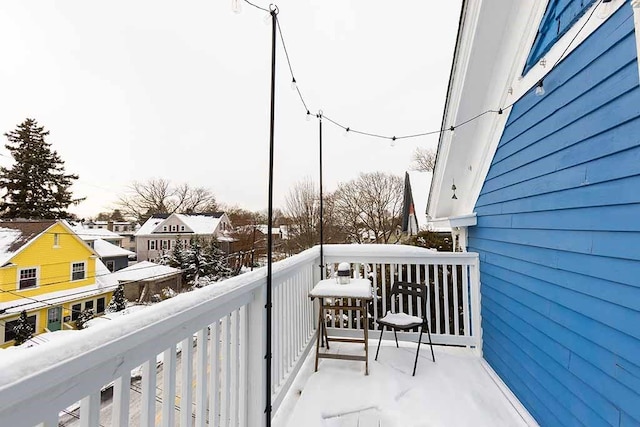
(454, 391)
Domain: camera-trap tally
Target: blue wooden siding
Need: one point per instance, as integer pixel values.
(558, 19)
(559, 239)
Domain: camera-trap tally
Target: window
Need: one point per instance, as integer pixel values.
(182, 228)
(28, 278)
(116, 228)
(53, 315)
(75, 311)
(164, 228)
(77, 271)
(111, 265)
(164, 244)
(100, 305)
(56, 240)
(132, 238)
(9, 335)
(88, 305)
(152, 244)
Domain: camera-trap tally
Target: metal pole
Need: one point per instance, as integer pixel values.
(274, 12)
(321, 201)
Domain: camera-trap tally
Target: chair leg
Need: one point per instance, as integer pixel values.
(430, 343)
(379, 341)
(415, 364)
(395, 334)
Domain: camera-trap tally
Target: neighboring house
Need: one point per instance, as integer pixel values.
(158, 234)
(114, 257)
(48, 271)
(91, 234)
(145, 279)
(548, 195)
(127, 230)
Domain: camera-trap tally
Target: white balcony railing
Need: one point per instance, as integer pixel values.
(202, 353)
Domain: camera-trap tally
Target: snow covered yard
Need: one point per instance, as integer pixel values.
(454, 391)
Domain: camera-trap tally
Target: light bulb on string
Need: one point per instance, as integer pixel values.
(267, 19)
(452, 129)
(393, 141)
(346, 132)
(236, 6)
(308, 118)
(294, 85)
(540, 88)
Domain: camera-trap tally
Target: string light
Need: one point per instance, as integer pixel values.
(538, 91)
(236, 6)
(604, 9)
(346, 132)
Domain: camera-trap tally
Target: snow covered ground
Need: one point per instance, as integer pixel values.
(454, 391)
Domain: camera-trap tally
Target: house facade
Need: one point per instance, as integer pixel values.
(48, 271)
(547, 195)
(158, 234)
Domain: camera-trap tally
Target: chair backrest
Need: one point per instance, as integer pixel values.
(418, 290)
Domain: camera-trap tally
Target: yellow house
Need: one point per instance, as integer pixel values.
(48, 271)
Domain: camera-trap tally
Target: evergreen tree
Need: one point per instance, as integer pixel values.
(217, 267)
(196, 261)
(83, 318)
(118, 301)
(23, 330)
(36, 186)
(178, 257)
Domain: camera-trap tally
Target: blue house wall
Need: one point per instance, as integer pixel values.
(558, 235)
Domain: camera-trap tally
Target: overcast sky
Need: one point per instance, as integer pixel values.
(132, 90)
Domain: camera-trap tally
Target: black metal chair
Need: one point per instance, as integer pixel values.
(404, 321)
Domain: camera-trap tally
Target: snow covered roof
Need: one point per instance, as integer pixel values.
(197, 224)
(94, 233)
(144, 270)
(104, 277)
(59, 297)
(16, 234)
(420, 183)
(107, 250)
(263, 228)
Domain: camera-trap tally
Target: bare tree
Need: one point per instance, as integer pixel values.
(158, 195)
(424, 160)
(369, 207)
(302, 208)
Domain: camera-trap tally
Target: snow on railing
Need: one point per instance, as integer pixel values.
(452, 279)
(200, 357)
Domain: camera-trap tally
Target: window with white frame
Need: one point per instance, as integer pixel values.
(152, 244)
(9, 332)
(164, 228)
(182, 228)
(28, 278)
(78, 271)
(56, 240)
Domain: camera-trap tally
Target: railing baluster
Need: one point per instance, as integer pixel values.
(121, 395)
(427, 280)
(419, 280)
(201, 378)
(214, 377)
(148, 407)
(90, 410)
(169, 387)
(436, 296)
(225, 390)
(445, 291)
(235, 367)
(375, 290)
(186, 395)
(465, 301)
(456, 308)
(243, 387)
(384, 292)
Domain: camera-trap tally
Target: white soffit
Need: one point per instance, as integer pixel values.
(496, 38)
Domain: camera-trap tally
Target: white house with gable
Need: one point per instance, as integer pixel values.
(160, 232)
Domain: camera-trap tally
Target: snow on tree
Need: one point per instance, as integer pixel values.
(84, 317)
(23, 329)
(217, 267)
(196, 261)
(36, 185)
(118, 301)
